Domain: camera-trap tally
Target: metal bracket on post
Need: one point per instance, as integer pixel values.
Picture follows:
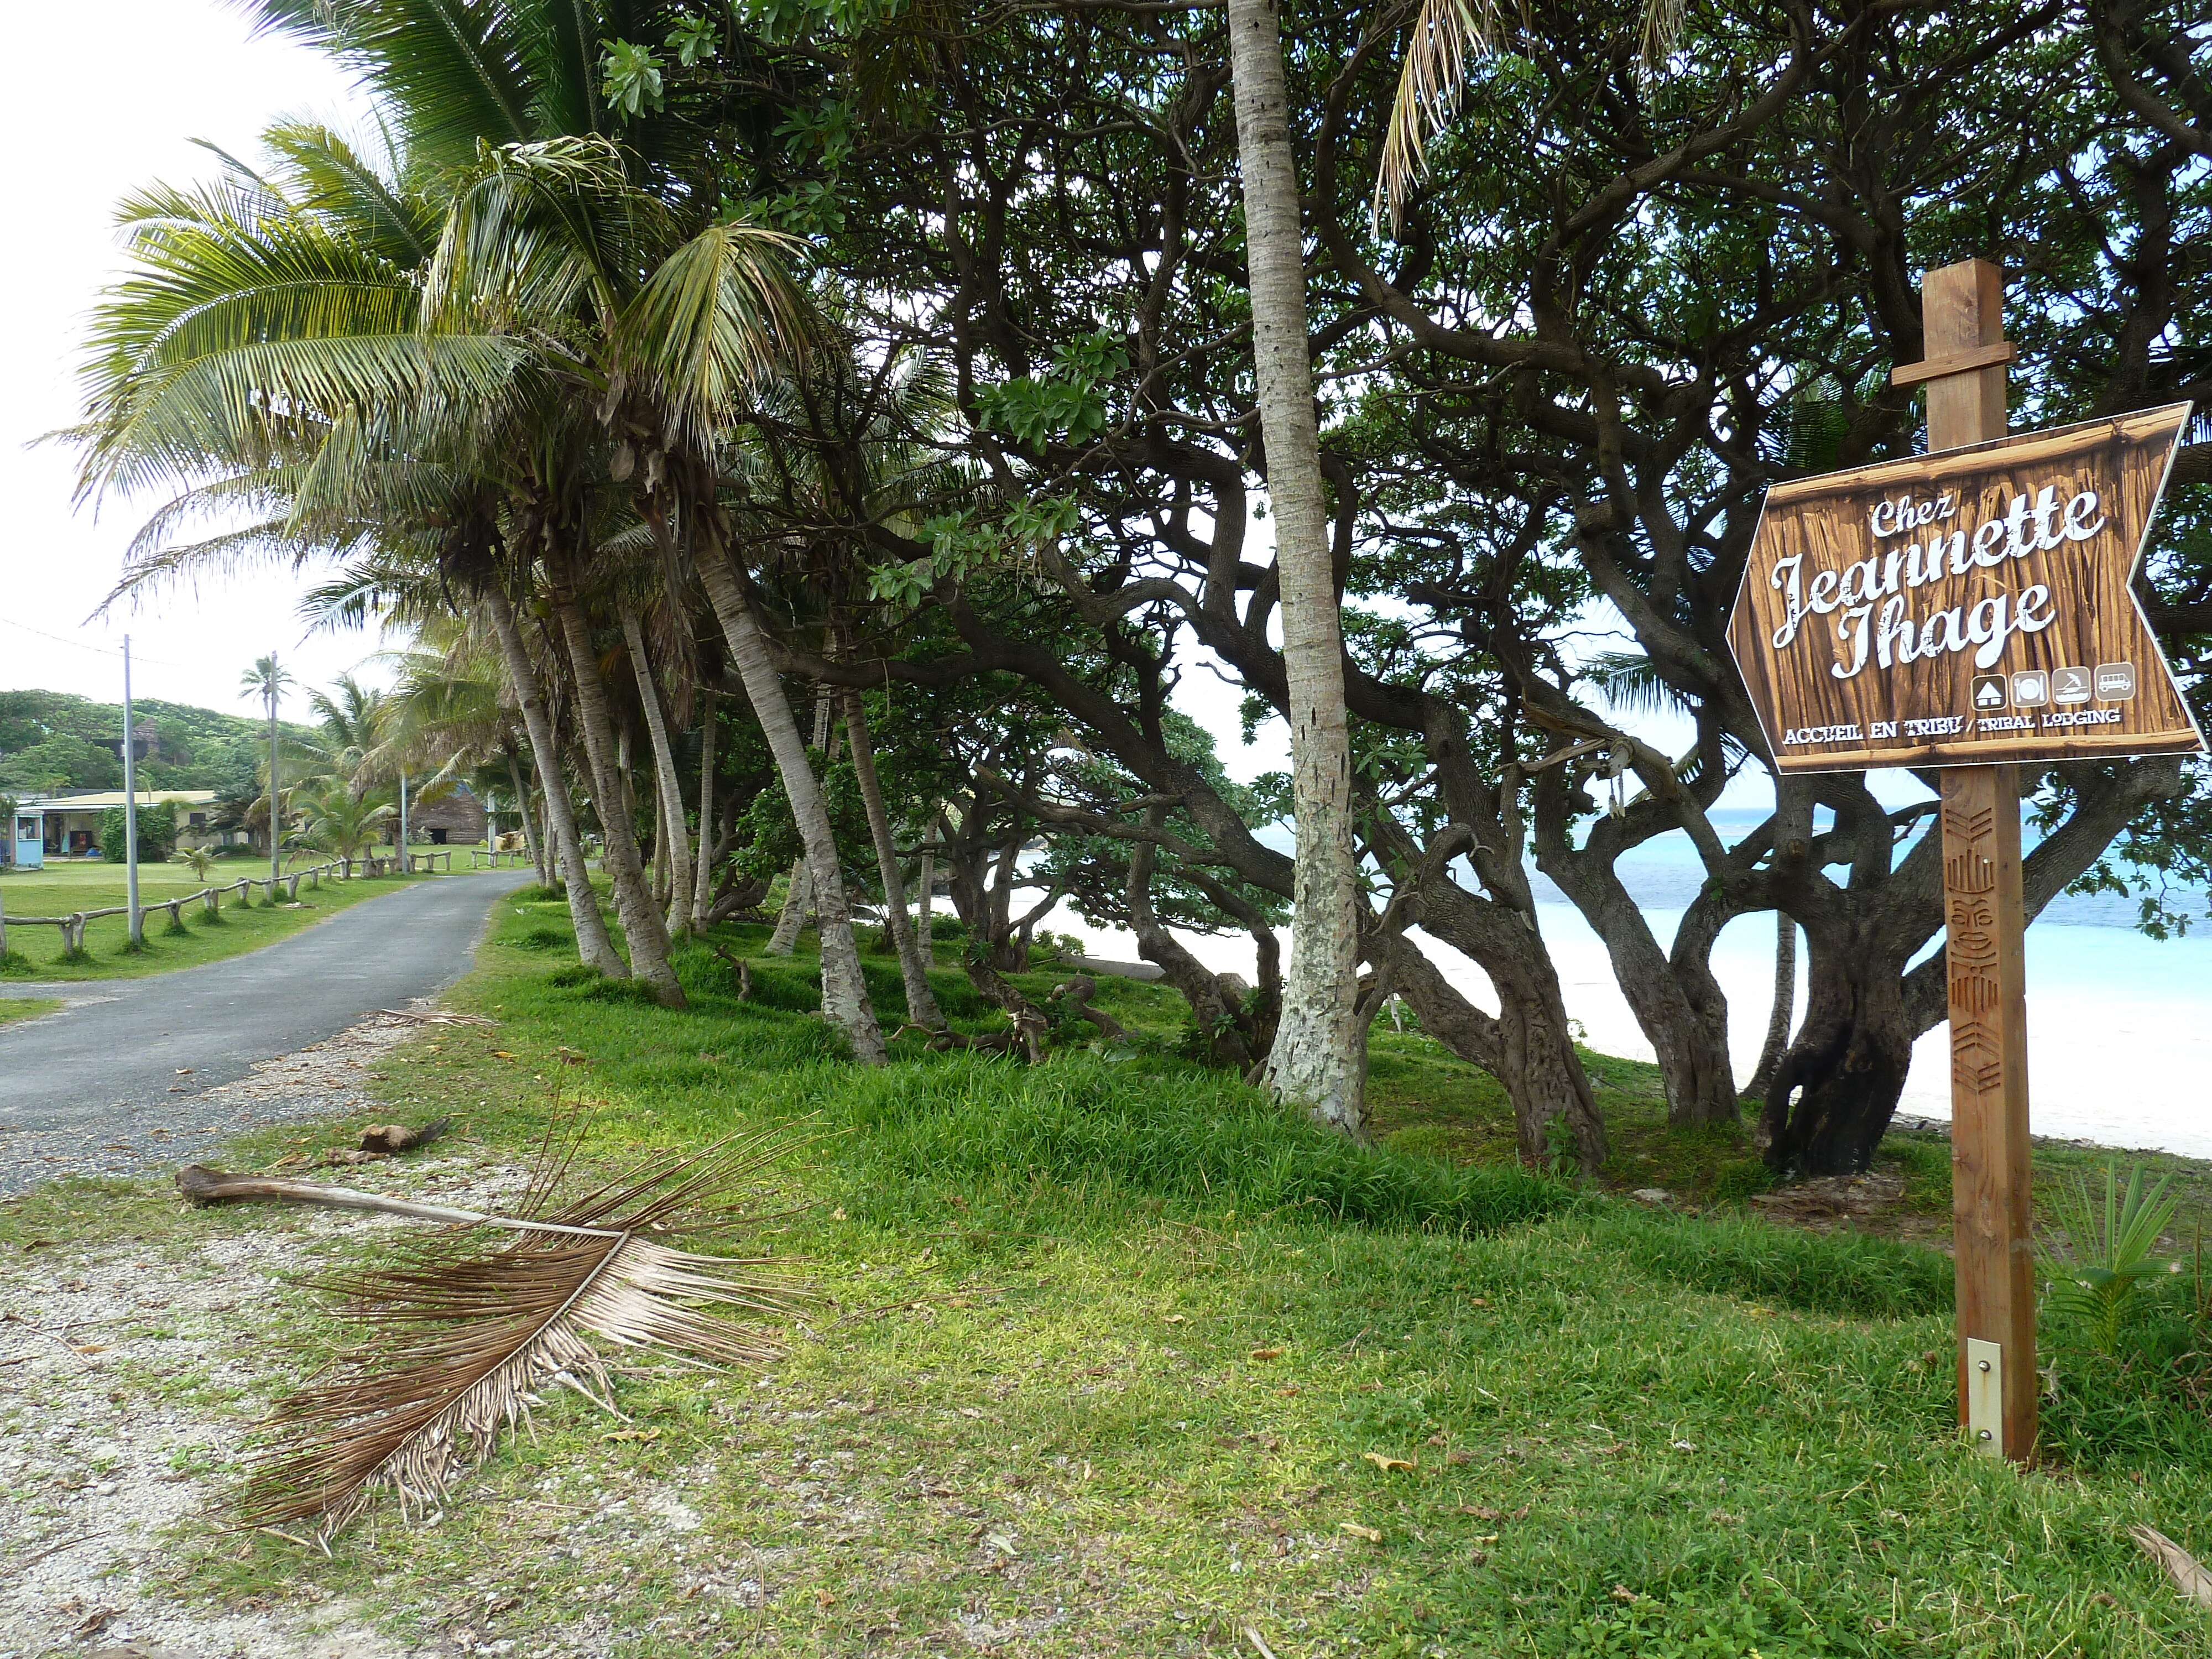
(1985, 1395)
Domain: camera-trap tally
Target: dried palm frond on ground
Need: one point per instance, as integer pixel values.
(460, 1338)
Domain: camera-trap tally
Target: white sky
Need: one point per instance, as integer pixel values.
(162, 73)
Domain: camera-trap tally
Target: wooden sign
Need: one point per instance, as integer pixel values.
(1973, 606)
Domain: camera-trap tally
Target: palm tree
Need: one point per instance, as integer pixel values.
(268, 681)
(674, 837)
(1319, 1059)
(342, 824)
(409, 587)
(353, 718)
(679, 327)
(270, 356)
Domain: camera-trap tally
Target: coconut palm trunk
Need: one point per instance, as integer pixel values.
(530, 840)
(844, 992)
(926, 926)
(797, 894)
(593, 947)
(702, 889)
(641, 925)
(921, 1001)
(677, 837)
(1319, 1059)
(799, 887)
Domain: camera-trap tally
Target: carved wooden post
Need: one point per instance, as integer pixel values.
(1962, 313)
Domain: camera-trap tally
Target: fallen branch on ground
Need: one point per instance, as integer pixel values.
(398, 1137)
(1077, 993)
(436, 1017)
(744, 973)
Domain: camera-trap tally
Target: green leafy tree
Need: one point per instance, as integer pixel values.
(62, 761)
(157, 833)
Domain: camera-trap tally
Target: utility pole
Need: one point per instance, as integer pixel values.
(1962, 315)
(131, 810)
(275, 859)
(401, 848)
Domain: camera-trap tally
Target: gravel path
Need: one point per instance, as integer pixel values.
(112, 1476)
(136, 1074)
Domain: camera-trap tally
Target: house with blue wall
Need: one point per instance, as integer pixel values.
(25, 848)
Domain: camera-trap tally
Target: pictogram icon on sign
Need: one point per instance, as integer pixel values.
(2069, 685)
(2030, 688)
(2116, 681)
(1989, 691)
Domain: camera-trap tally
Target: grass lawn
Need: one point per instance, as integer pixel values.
(59, 890)
(1115, 1359)
(27, 1007)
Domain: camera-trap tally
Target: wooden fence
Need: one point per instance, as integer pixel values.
(209, 898)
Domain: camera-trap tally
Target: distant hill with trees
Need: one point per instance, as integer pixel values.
(52, 740)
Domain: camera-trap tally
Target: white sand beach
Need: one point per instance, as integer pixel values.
(2120, 1026)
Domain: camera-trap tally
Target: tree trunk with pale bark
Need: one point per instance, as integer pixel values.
(530, 840)
(640, 917)
(921, 1001)
(593, 947)
(844, 990)
(702, 886)
(678, 839)
(1319, 1059)
(926, 924)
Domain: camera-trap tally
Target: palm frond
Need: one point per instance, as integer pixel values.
(1632, 682)
(1663, 28)
(1446, 34)
(709, 323)
(461, 1339)
(454, 69)
(328, 175)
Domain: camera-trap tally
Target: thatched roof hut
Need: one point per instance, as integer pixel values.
(455, 818)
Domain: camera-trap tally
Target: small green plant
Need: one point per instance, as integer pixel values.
(200, 861)
(1681, 1627)
(1561, 1158)
(2108, 1253)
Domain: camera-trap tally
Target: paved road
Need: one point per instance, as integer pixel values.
(107, 1063)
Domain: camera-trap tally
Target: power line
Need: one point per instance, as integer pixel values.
(98, 650)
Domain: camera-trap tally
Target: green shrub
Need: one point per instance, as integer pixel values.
(2097, 1282)
(157, 833)
(543, 938)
